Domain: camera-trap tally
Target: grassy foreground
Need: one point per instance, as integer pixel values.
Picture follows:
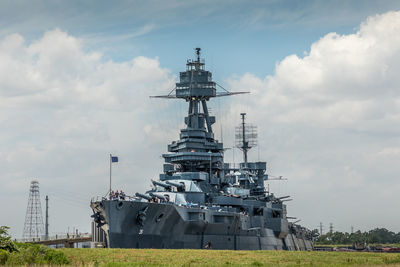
(396, 245)
(163, 257)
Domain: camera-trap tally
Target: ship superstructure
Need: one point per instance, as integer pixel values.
(199, 201)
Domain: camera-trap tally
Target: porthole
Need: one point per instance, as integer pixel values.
(159, 217)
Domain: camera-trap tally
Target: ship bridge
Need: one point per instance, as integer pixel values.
(196, 150)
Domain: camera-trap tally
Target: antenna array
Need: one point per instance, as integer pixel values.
(250, 133)
(245, 136)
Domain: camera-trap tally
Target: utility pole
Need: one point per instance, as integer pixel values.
(46, 232)
(320, 228)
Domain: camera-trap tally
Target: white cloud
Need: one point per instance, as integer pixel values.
(349, 80)
(328, 121)
(390, 152)
(63, 109)
(335, 111)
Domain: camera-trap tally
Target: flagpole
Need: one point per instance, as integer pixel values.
(110, 172)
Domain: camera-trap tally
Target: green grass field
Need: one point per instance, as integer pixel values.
(162, 257)
(344, 245)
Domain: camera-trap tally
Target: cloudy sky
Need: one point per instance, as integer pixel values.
(323, 75)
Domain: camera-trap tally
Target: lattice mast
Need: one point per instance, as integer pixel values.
(246, 137)
(33, 227)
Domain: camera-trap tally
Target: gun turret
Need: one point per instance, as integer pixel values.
(144, 196)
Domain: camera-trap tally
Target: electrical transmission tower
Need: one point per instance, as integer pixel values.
(33, 227)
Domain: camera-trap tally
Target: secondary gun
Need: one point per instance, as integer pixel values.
(147, 197)
(180, 187)
(279, 199)
(159, 196)
(166, 186)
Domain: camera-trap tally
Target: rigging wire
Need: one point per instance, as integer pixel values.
(172, 91)
(222, 87)
(70, 202)
(71, 198)
(220, 120)
(68, 194)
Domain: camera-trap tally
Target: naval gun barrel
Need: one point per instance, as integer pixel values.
(180, 187)
(161, 197)
(147, 197)
(166, 186)
(283, 197)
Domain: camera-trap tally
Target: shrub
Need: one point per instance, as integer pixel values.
(3, 256)
(56, 257)
(36, 254)
(15, 253)
(5, 240)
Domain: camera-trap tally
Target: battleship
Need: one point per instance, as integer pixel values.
(199, 201)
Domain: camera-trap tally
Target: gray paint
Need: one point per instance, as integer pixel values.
(199, 199)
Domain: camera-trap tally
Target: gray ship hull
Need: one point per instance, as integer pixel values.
(134, 224)
(200, 201)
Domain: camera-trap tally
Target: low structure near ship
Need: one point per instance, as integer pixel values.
(200, 201)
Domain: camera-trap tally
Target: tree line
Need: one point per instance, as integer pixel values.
(14, 253)
(375, 236)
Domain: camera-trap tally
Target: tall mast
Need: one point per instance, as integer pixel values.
(245, 145)
(246, 137)
(197, 150)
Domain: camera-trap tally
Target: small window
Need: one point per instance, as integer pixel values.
(276, 214)
(258, 211)
(159, 217)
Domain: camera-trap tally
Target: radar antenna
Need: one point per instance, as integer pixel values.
(198, 49)
(196, 82)
(246, 137)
